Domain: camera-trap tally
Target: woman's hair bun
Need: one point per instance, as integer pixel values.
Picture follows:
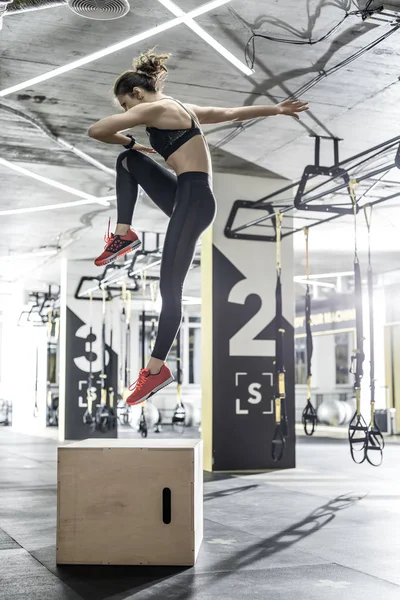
(151, 64)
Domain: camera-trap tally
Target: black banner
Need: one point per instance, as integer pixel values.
(77, 379)
(243, 407)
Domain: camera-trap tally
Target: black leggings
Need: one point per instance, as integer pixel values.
(189, 202)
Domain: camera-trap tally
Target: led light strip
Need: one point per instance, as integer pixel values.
(88, 198)
(201, 10)
(178, 12)
(28, 255)
(43, 208)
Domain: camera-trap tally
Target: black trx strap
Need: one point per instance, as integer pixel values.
(111, 393)
(49, 394)
(309, 416)
(143, 429)
(179, 416)
(357, 427)
(104, 417)
(88, 416)
(36, 407)
(127, 365)
(281, 426)
(103, 374)
(375, 442)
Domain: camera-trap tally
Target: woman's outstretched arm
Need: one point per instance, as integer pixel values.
(243, 113)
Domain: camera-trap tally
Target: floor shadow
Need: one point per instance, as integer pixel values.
(270, 546)
(229, 492)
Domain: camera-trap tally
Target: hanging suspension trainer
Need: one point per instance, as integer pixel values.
(49, 331)
(127, 367)
(103, 374)
(143, 429)
(90, 393)
(281, 425)
(122, 337)
(179, 416)
(111, 393)
(309, 416)
(36, 407)
(103, 417)
(357, 432)
(375, 442)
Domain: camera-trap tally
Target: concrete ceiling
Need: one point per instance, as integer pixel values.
(359, 103)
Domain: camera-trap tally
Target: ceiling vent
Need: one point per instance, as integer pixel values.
(101, 10)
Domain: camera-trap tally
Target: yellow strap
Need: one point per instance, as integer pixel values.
(49, 323)
(281, 385)
(123, 294)
(372, 414)
(309, 387)
(358, 401)
(277, 410)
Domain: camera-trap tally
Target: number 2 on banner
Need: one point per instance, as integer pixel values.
(243, 342)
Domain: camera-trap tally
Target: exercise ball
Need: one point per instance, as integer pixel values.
(150, 412)
(349, 412)
(331, 412)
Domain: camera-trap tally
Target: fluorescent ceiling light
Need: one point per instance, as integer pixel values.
(178, 12)
(324, 275)
(33, 209)
(28, 255)
(323, 284)
(53, 183)
(204, 8)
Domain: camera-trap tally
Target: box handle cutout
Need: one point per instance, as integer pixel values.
(167, 506)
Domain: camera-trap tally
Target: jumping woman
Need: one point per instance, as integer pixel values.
(184, 195)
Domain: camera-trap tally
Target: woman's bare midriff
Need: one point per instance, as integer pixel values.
(192, 156)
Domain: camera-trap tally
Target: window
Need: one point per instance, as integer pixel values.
(342, 358)
(300, 361)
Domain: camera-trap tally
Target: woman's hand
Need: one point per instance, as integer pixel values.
(144, 149)
(291, 108)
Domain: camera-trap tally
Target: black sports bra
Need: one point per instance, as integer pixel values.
(167, 141)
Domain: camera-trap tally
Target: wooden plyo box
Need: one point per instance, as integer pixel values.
(130, 502)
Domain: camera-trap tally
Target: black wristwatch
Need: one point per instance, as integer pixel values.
(131, 143)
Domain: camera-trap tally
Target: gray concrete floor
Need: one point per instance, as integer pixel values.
(326, 530)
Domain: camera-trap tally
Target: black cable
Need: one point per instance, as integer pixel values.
(306, 87)
(250, 58)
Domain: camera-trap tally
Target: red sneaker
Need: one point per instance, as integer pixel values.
(146, 385)
(116, 246)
